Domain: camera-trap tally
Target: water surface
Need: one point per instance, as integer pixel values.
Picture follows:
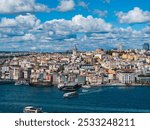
(100, 99)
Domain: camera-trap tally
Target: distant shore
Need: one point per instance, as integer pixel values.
(3, 82)
(121, 85)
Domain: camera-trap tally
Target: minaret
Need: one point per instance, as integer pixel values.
(74, 51)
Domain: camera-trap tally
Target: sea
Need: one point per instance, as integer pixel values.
(114, 99)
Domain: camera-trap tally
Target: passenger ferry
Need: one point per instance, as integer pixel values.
(69, 86)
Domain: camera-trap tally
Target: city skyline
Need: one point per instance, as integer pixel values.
(47, 25)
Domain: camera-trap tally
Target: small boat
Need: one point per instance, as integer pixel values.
(70, 94)
(31, 109)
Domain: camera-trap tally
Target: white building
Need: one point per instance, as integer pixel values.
(126, 77)
(5, 74)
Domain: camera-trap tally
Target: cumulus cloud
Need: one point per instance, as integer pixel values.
(24, 38)
(26, 21)
(20, 6)
(15, 29)
(136, 15)
(28, 33)
(146, 29)
(90, 24)
(78, 24)
(66, 5)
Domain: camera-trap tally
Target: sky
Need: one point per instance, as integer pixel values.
(59, 25)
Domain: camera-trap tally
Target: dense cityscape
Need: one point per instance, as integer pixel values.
(94, 68)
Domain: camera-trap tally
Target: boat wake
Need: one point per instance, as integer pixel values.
(90, 92)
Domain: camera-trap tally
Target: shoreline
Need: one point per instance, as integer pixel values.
(5, 82)
(121, 85)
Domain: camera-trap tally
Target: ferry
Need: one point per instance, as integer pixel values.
(70, 94)
(71, 87)
(31, 109)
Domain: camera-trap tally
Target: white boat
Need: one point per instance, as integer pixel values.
(86, 86)
(31, 109)
(70, 94)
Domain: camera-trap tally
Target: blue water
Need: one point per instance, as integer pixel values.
(101, 99)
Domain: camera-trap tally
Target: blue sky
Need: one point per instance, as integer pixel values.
(58, 25)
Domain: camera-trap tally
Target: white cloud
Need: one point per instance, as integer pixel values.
(90, 24)
(28, 33)
(66, 5)
(27, 29)
(20, 6)
(83, 4)
(20, 28)
(24, 38)
(26, 21)
(78, 24)
(146, 29)
(7, 22)
(28, 37)
(134, 16)
(100, 13)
